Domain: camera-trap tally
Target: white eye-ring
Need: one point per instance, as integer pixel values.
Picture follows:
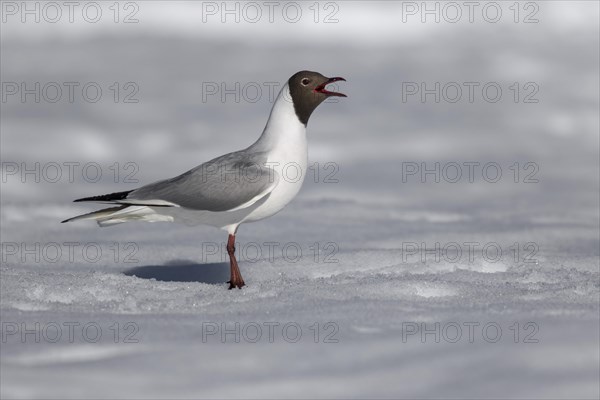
(305, 81)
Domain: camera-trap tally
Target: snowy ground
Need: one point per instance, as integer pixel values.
(349, 286)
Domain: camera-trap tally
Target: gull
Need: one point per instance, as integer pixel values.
(244, 186)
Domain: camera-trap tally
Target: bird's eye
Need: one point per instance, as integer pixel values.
(305, 81)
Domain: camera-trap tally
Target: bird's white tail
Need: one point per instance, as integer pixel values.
(125, 213)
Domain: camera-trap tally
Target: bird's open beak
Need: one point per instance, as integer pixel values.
(321, 87)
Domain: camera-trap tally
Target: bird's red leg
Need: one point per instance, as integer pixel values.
(236, 276)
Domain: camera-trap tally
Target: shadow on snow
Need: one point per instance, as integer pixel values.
(183, 271)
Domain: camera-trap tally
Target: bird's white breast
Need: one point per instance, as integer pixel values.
(290, 166)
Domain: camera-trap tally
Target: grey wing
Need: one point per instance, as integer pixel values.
(229, 182)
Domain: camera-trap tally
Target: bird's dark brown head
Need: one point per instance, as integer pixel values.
(308, 90)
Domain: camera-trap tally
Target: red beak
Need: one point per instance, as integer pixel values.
(321, 87)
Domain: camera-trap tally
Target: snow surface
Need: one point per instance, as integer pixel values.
(161, 288)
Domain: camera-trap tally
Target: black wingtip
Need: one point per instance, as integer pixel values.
(106, 197)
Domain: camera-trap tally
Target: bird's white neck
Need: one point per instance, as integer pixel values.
(284, 141)
(283, 127)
